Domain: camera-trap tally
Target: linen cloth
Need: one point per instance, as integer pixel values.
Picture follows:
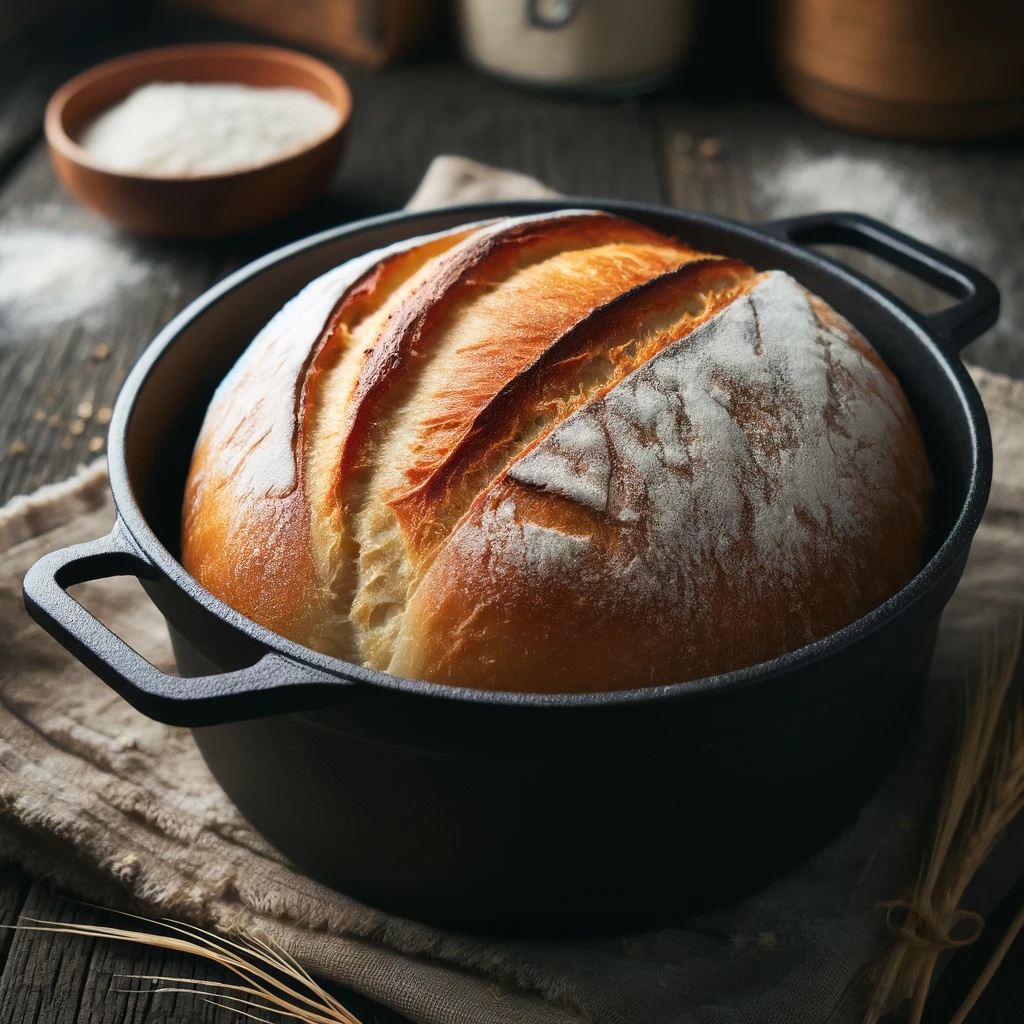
(114, 806)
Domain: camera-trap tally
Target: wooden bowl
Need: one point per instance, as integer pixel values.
(203, 206)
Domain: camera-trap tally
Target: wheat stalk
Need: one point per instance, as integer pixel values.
(990, 968)
(269, 977)
(984, 792)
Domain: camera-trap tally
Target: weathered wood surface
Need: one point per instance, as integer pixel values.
(79, 300)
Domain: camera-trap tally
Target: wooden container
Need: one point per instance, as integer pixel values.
(370, 32)
(204, 205)
(919, 69)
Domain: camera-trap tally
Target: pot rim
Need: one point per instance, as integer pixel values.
(958, 538)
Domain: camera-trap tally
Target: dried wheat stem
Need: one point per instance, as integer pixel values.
(1003, 800)
(924, 981)
(885, 982)
(258, 988)
(983, 792)
(990, 968)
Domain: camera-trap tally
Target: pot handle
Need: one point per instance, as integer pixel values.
(249, 692)
(978, 307)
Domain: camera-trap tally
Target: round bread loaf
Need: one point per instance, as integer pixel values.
(556, 453)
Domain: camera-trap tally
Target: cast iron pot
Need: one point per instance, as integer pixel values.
(515, 811)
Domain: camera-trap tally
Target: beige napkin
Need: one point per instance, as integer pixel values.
(109, 803)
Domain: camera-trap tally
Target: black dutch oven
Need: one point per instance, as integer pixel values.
(518, 811)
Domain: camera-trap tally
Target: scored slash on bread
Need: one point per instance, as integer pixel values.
(551, 453)
(577, 366)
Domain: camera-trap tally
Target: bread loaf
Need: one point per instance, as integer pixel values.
(556, 453)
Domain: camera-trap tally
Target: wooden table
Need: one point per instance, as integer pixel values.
(79, 301)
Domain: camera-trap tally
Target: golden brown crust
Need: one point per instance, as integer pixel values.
(553, 569)
(576, 367)
(489, 257)
(556, 453)
(246, 516)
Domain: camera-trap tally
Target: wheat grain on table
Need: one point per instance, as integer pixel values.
(79, 301)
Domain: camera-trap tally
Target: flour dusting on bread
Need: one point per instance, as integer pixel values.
(676, 445)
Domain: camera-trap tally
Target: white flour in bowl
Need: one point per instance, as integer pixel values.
(189, 129)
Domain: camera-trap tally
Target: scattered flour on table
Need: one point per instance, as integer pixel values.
(49, 276)
(184, 129)
(803, 183)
